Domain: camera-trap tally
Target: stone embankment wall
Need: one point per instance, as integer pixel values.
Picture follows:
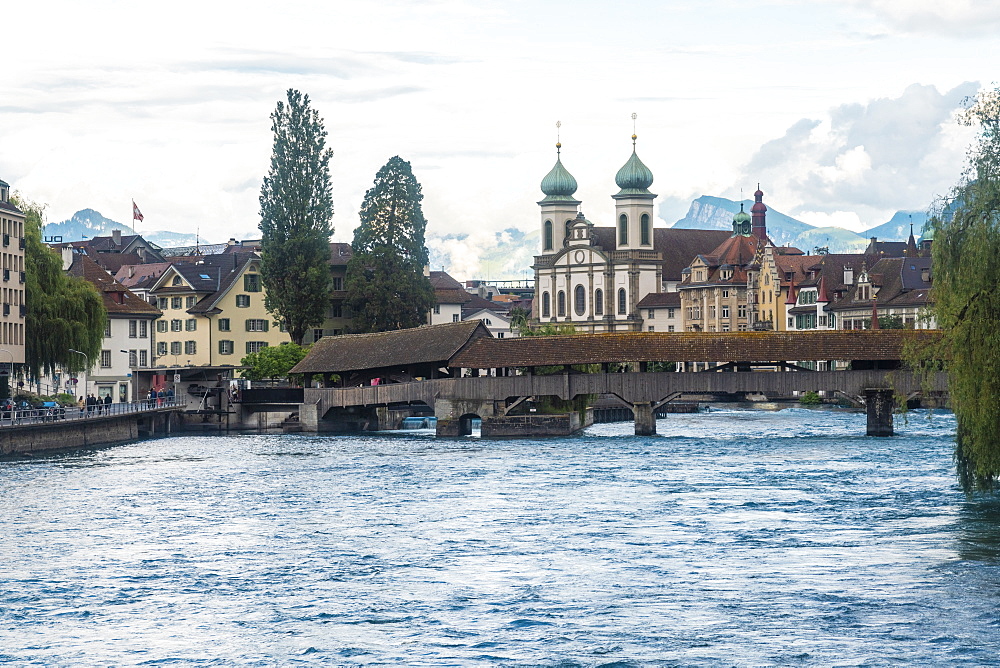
(90, 432)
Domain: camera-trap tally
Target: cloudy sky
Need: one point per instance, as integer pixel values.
(842, 110)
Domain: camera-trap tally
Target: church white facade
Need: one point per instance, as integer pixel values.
(594, 277)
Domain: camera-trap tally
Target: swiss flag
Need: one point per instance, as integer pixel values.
(136, 214)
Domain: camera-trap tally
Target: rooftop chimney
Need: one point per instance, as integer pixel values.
(116, 237)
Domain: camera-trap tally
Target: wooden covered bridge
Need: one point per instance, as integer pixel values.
(460, 371)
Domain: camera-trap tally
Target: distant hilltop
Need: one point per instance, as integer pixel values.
(87, 224)
(508, 254)
(716, 213)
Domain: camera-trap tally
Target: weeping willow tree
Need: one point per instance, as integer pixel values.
(966, 254)
(63, 312)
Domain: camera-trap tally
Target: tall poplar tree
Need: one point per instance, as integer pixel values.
(296, 208)
(966, 254)
(62, 312)
(385, 281)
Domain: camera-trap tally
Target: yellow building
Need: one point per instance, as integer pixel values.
(213, 312)
(11, 280)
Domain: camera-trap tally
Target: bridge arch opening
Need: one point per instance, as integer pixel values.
(467, 422)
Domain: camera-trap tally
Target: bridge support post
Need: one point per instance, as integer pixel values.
(309, 417)
(879, 405)
(645, 420)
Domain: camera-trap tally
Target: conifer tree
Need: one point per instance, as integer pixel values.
(966, 254)
(296, 208)
(385, 280)
(62, 312)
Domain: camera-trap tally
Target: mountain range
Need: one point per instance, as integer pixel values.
(508, 254)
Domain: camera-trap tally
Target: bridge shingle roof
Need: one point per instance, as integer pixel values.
(688, 347)
(398, 348)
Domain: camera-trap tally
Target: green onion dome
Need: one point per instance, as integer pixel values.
(558, 184)
(634, 178)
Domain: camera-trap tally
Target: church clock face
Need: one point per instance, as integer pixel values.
(579, 256)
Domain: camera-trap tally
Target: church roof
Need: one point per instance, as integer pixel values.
(559, 185)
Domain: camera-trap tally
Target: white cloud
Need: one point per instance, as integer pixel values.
(872, 159)
(949, 17)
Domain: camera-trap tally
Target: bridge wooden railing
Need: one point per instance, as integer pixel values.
(634, 388)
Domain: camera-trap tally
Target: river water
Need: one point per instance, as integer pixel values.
(734, 537)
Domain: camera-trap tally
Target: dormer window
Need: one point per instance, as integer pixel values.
(177, 281)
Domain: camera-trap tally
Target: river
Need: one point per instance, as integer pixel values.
(734, 537)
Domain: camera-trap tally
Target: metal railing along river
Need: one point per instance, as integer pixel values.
(30, 415)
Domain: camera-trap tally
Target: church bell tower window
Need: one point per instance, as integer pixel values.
(547, 232)
(622, 301)
(623, 230)
(644, 229)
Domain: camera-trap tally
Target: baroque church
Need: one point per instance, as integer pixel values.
(612, 279)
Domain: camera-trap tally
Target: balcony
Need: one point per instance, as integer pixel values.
(635, 255)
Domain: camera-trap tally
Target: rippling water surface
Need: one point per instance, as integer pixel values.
(733, 537)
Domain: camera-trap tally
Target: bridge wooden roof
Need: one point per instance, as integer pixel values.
(886, 344)
(431, 344)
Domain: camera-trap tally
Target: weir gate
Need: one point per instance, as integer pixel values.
(459, 371)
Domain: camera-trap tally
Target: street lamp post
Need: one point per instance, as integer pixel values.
(86, 371)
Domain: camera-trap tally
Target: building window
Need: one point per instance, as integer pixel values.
(791, 323)
(143, 329)
(338, 332)
(831, 321)
(338, 283)
(499, 335)
(598, 302)
(143, 358)
(580, 300)
(190, 347)
(337, 311)
(650, 329)
(191, 325)
(725, 294)
(162, 303)
(546, 310)
(317, 335)
(711, 311)
(161, 348)
(725, 311)
(175, 347)
(644, 229)
(175, 325)
(190, 301)
(670, 328)
(133, 329)
(437, 309)
(225, 347)
(255, 346)
(547, 235)
(223, 324)
(105, 359)
(561, 304)
(107, 328)
(176, 302)
(251, 282)
(256, 325)
(489, 323)
(725, 328)
(741, 311)
(650, 314)
(670, 313)
(622, 301)
(243, 301)
(623, 230)
(133, 358)
(454, 317)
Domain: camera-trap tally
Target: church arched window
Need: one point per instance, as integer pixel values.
(622, 301)
(580, 300)
(561, 304)
(546, 310)
(623, 230)
(547, 235)
(598, 302)
(644, 229)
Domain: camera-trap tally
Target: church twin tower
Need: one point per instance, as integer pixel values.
(633, 206)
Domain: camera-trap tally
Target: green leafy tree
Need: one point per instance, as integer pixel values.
(966, 254)
(62, 311)
(272, 362)
(385, 281)
(296, 207)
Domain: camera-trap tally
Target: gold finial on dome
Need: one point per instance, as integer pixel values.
(634, 137)
(558, 143)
